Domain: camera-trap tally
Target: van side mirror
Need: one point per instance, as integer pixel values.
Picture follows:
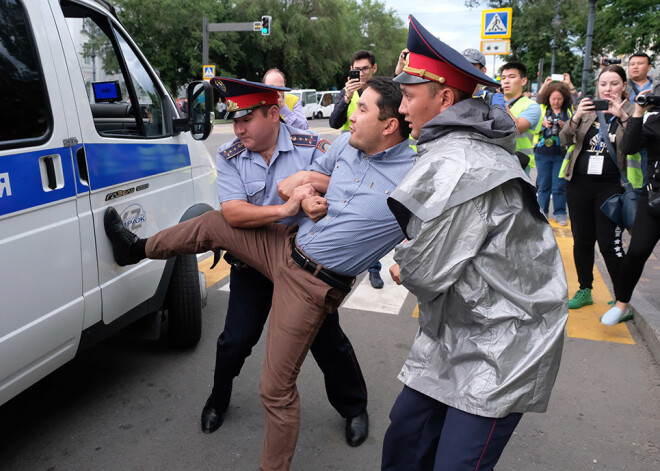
(200, 110)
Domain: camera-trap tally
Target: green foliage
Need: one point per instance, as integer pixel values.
(621, 27)
(311, 53)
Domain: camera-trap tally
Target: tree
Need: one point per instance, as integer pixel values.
(312, 53)
(169, 33)
(621, 27)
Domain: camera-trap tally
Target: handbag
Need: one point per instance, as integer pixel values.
(620, 208)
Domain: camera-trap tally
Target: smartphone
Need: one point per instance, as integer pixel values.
(557, 77)
(600, 105)
(353, 74)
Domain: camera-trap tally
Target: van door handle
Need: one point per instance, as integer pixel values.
(82, 166)
(50, 172)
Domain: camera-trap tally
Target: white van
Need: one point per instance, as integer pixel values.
(87, 124)
(326, 102)
(307, 97)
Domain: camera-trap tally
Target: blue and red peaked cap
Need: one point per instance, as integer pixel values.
(430, 59)
(243, 97)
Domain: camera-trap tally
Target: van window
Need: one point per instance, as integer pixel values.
(124, 99)
(26, 113)
(308, 97)
(328, 99)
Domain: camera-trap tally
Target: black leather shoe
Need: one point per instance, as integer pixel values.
(211, 418)
(357, 429)
(121, 238)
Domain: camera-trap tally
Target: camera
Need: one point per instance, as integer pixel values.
(554, 130)
(611, 61)
(647, 100)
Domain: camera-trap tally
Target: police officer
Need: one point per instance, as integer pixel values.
(264, 152)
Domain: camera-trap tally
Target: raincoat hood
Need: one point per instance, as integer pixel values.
(473, 115)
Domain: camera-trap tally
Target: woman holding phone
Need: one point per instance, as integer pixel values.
(641, 132)
(592, 177)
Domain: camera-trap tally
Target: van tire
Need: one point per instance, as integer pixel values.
(184, 303)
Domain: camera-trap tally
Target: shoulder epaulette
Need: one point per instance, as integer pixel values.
(307, 140)
(323, 145)
(233, 150)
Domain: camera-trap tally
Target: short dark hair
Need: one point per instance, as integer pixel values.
(459, 95)
(519, 66)
(363, 54)
(641, 54)
(389, 101)
(617, 69)
(549, 89)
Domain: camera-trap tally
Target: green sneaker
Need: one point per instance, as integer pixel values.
(581, 298)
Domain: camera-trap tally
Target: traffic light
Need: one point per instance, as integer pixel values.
(265, 25)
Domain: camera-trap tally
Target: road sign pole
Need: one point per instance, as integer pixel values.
(205, 41)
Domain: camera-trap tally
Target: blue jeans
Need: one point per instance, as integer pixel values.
(549, 182)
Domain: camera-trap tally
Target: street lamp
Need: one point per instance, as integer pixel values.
(556, 23)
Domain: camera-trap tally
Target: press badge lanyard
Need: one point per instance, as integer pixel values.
(600, 131)
(610, 147)
(596, 161)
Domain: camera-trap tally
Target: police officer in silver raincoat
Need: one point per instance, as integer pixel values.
(485, 267)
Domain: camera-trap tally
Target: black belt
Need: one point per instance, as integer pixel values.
(341, 282)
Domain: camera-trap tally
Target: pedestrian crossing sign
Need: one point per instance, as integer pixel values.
(496, 24)
(208, 72)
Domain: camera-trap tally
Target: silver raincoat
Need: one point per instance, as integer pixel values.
(484, 265)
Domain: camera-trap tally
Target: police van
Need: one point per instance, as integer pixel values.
(87, 124)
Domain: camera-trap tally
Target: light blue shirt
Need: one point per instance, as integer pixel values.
(647, 86)
(359, 228)
(247, 177)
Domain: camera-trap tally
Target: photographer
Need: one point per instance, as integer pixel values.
(639, 66)
(592, 177)
(556, 109)
(642, 131)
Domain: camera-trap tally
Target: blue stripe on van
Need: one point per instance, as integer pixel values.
(21, 185)
(111, 164)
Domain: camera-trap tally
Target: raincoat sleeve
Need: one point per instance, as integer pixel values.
(434, 259)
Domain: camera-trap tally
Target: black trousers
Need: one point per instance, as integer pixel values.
(645, 234)
(584, 196)
(249, 304)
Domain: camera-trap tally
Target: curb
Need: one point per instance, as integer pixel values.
(647, 320)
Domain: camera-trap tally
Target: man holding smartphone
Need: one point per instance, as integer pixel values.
(363, 67)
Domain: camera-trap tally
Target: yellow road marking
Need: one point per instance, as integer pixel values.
(220, 271)
(584, 323)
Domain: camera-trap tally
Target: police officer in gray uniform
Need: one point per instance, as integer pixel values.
(264, 152)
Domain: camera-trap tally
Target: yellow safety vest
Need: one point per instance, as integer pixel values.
(352, 106)
(525, 140)
(633, 167)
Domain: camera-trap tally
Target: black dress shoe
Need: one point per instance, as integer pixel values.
(122, 239)
(211, 418)
(357, 429)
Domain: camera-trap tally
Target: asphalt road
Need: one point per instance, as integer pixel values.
(132, 404)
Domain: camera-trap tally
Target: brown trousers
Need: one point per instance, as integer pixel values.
(300, 304)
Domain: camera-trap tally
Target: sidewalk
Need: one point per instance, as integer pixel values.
(646, 301)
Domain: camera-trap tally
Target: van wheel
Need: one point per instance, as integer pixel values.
(184, 303)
